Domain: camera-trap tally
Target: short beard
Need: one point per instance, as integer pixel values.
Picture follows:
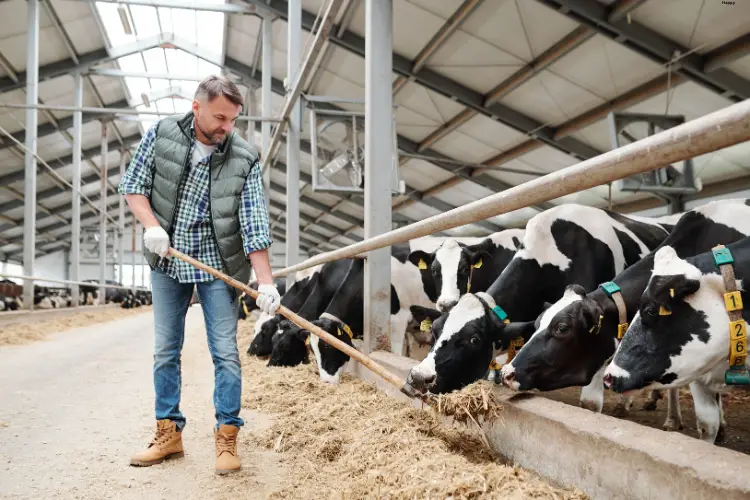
(208, 136)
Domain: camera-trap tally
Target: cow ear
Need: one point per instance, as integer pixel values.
(546, 306)
(420, 313)
(665, 290)
(591, 316)
(512, 332)
(517, 243)
(302, 335)
(684, 287)
(421, 259)
(478, 258)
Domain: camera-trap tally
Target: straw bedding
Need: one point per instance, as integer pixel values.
(25, 333)
(353, 441)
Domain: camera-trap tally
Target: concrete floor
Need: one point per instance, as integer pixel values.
(76, 406)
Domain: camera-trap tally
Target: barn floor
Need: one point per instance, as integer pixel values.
(76, 406)
(735, 413)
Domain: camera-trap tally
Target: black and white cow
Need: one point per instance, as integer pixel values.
(342, 318)
(563, 351)
(458, 268)
(680, 334)
(312, 288)
(346, 307)
(567, 244)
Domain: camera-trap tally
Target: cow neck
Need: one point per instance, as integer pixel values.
(737, 373)
(513, 346)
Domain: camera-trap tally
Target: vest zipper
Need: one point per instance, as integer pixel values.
(211, 215)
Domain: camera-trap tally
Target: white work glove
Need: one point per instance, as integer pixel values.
(268, 299)
(156, 240)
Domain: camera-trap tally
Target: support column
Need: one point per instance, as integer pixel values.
(29, 183)
(252, 110)
(75, 248)
(133, 250)
(294, 33)
(103, 217)
(378, 170)
(266, 97)
(121, 221)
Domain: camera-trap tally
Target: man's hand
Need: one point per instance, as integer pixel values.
(156, 240)
(268, 299)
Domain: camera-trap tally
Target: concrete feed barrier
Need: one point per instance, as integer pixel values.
(606, 457)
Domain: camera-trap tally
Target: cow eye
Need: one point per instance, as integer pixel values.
(474, 340)
(651, 310)
(562, 328)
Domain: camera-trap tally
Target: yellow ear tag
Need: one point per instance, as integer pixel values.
(422, 264)
(425, 325)
(348, 331)
(671, 292)
(663, 311)
(307, 340)
(494, 365)
(597, 327)
(478, 264)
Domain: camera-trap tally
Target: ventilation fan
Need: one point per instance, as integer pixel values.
(341, 153)
(669, 180)
(338, 152)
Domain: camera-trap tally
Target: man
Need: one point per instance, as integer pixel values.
(196, 185)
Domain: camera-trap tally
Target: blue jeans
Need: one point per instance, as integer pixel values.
(220, 304)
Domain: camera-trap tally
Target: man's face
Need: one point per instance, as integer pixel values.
(216, 118)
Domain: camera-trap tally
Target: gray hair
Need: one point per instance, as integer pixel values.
(214, 86)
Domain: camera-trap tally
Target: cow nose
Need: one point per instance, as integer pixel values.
(446, 305)
(509, 378)
(608, 380)
(421, 381)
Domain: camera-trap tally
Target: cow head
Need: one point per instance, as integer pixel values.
(679, 332)
(562, 351)
(451, 265)
(331, 361)
(463, 346)
(265, 328)
(289, 348)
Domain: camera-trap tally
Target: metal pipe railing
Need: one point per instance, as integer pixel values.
(92, 284)
(721, 129)
(121, 111)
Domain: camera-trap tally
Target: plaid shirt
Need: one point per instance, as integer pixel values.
(192, 233)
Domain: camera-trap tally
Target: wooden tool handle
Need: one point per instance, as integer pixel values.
(302, 323)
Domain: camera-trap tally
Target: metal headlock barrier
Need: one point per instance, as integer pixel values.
(718, 130)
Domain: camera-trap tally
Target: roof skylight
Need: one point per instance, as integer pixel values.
(145, 22)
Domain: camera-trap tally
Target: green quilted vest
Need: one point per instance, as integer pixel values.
(229, 170)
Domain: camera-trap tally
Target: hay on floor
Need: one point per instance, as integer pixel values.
(353, 441)
(31, 331)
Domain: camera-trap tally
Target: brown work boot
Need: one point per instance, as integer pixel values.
(167, 443)
(226, 449)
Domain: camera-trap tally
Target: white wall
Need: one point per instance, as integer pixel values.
(52, 266)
